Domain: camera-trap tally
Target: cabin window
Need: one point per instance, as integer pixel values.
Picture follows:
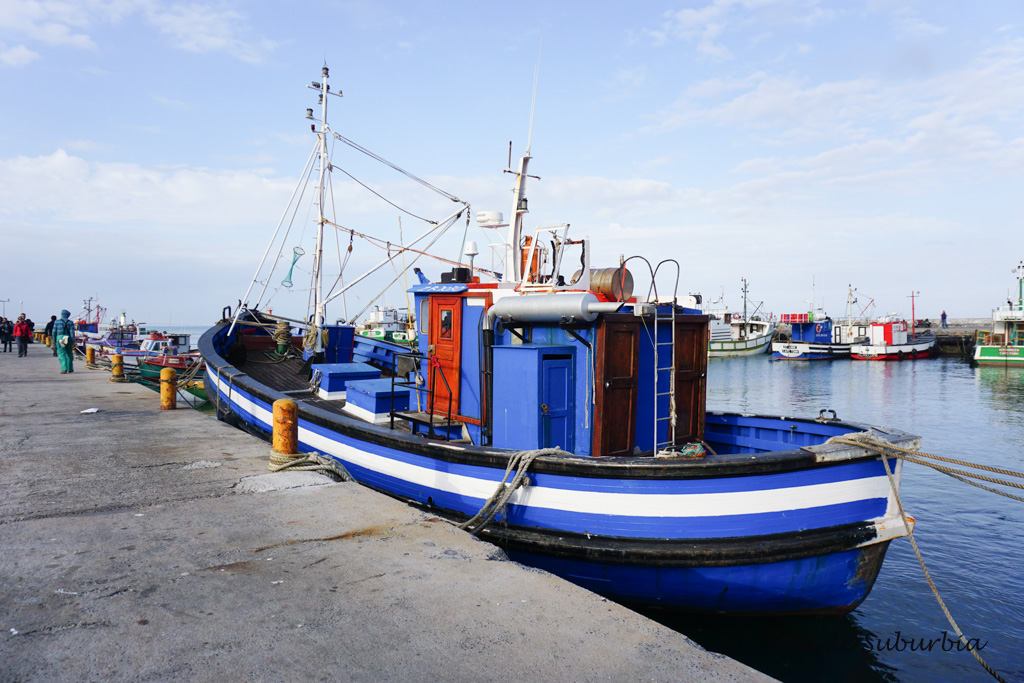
(862, 331)
(446, 323)
(425, 316)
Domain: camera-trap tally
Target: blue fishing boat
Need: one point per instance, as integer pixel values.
(562, 418)
(811, 338)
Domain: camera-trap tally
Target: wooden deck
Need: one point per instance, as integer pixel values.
(288, 378)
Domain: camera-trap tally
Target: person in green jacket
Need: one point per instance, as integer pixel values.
(64, 341)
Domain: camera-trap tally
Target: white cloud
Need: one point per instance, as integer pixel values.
(199, 28)
(18, 56)
(49, 23)
(171, 103)
(122, 193)
(920, 28)
(709, 26)
(202, 29)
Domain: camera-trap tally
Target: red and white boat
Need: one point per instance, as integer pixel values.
(888, 340)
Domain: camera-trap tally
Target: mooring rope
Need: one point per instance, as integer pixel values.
(520, 462)
(312, 462)
(864, 440)
(918, 457)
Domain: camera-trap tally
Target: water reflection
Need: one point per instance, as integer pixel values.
(972, 540)
(1004, 387)
(793, 648)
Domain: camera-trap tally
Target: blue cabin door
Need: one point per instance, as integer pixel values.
(556, 403)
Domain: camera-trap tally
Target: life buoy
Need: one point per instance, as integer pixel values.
(817, 328)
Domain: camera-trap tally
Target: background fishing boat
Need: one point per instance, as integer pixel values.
(1004, 344)
(817, 337)
(736, 334)
(889, 340)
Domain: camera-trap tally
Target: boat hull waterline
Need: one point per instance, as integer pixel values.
(798, 531)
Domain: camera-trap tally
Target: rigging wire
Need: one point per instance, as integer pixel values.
(295, 210)
(382, 197)
(270, 245)
(384, 161)
(398, 276)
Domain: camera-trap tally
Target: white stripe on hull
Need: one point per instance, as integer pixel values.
(594, 502)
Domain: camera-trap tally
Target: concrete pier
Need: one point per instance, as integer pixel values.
(137, 543)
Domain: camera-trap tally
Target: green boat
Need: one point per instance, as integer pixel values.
(1004, 345)
(190, 378)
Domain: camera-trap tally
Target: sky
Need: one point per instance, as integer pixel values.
(148, 149)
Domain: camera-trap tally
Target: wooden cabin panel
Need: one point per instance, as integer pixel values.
(691, 377)
(617, 352)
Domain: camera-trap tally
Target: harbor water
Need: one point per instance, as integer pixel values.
(972, 541)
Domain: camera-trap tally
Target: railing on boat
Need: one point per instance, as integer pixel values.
(430, 391)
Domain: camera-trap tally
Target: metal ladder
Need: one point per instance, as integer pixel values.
(660, 368)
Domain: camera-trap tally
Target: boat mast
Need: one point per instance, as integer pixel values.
(744, 281)
(913, 315)
(318, 294)
(513, 252)
(1020, 286)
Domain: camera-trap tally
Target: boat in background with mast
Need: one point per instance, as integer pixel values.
(817, 337)
(1004, 344)
(888, 340)
(735, 335)
(90, 318)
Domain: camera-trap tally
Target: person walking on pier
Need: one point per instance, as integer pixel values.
(944, 325)
(6, 333)
(21, 335)
(64, 342)
(49, 333)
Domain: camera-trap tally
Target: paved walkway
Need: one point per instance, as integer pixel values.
(129, 550)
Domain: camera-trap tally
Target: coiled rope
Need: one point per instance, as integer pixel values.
(309, 462)
(309, 338)
(520, 462)
(282, 333)
(884, 449)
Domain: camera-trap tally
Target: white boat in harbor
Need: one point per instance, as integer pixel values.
(889, 340)
(735, 334)
(388, 324)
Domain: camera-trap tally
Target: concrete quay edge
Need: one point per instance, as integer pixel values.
(128, 550)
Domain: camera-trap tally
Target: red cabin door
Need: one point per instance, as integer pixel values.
(445, 352)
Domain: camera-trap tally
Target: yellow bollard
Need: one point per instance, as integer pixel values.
(117, 368)
(168, 389)
(286, 426)
(90, 355)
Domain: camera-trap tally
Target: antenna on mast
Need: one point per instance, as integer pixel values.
(533, 104)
